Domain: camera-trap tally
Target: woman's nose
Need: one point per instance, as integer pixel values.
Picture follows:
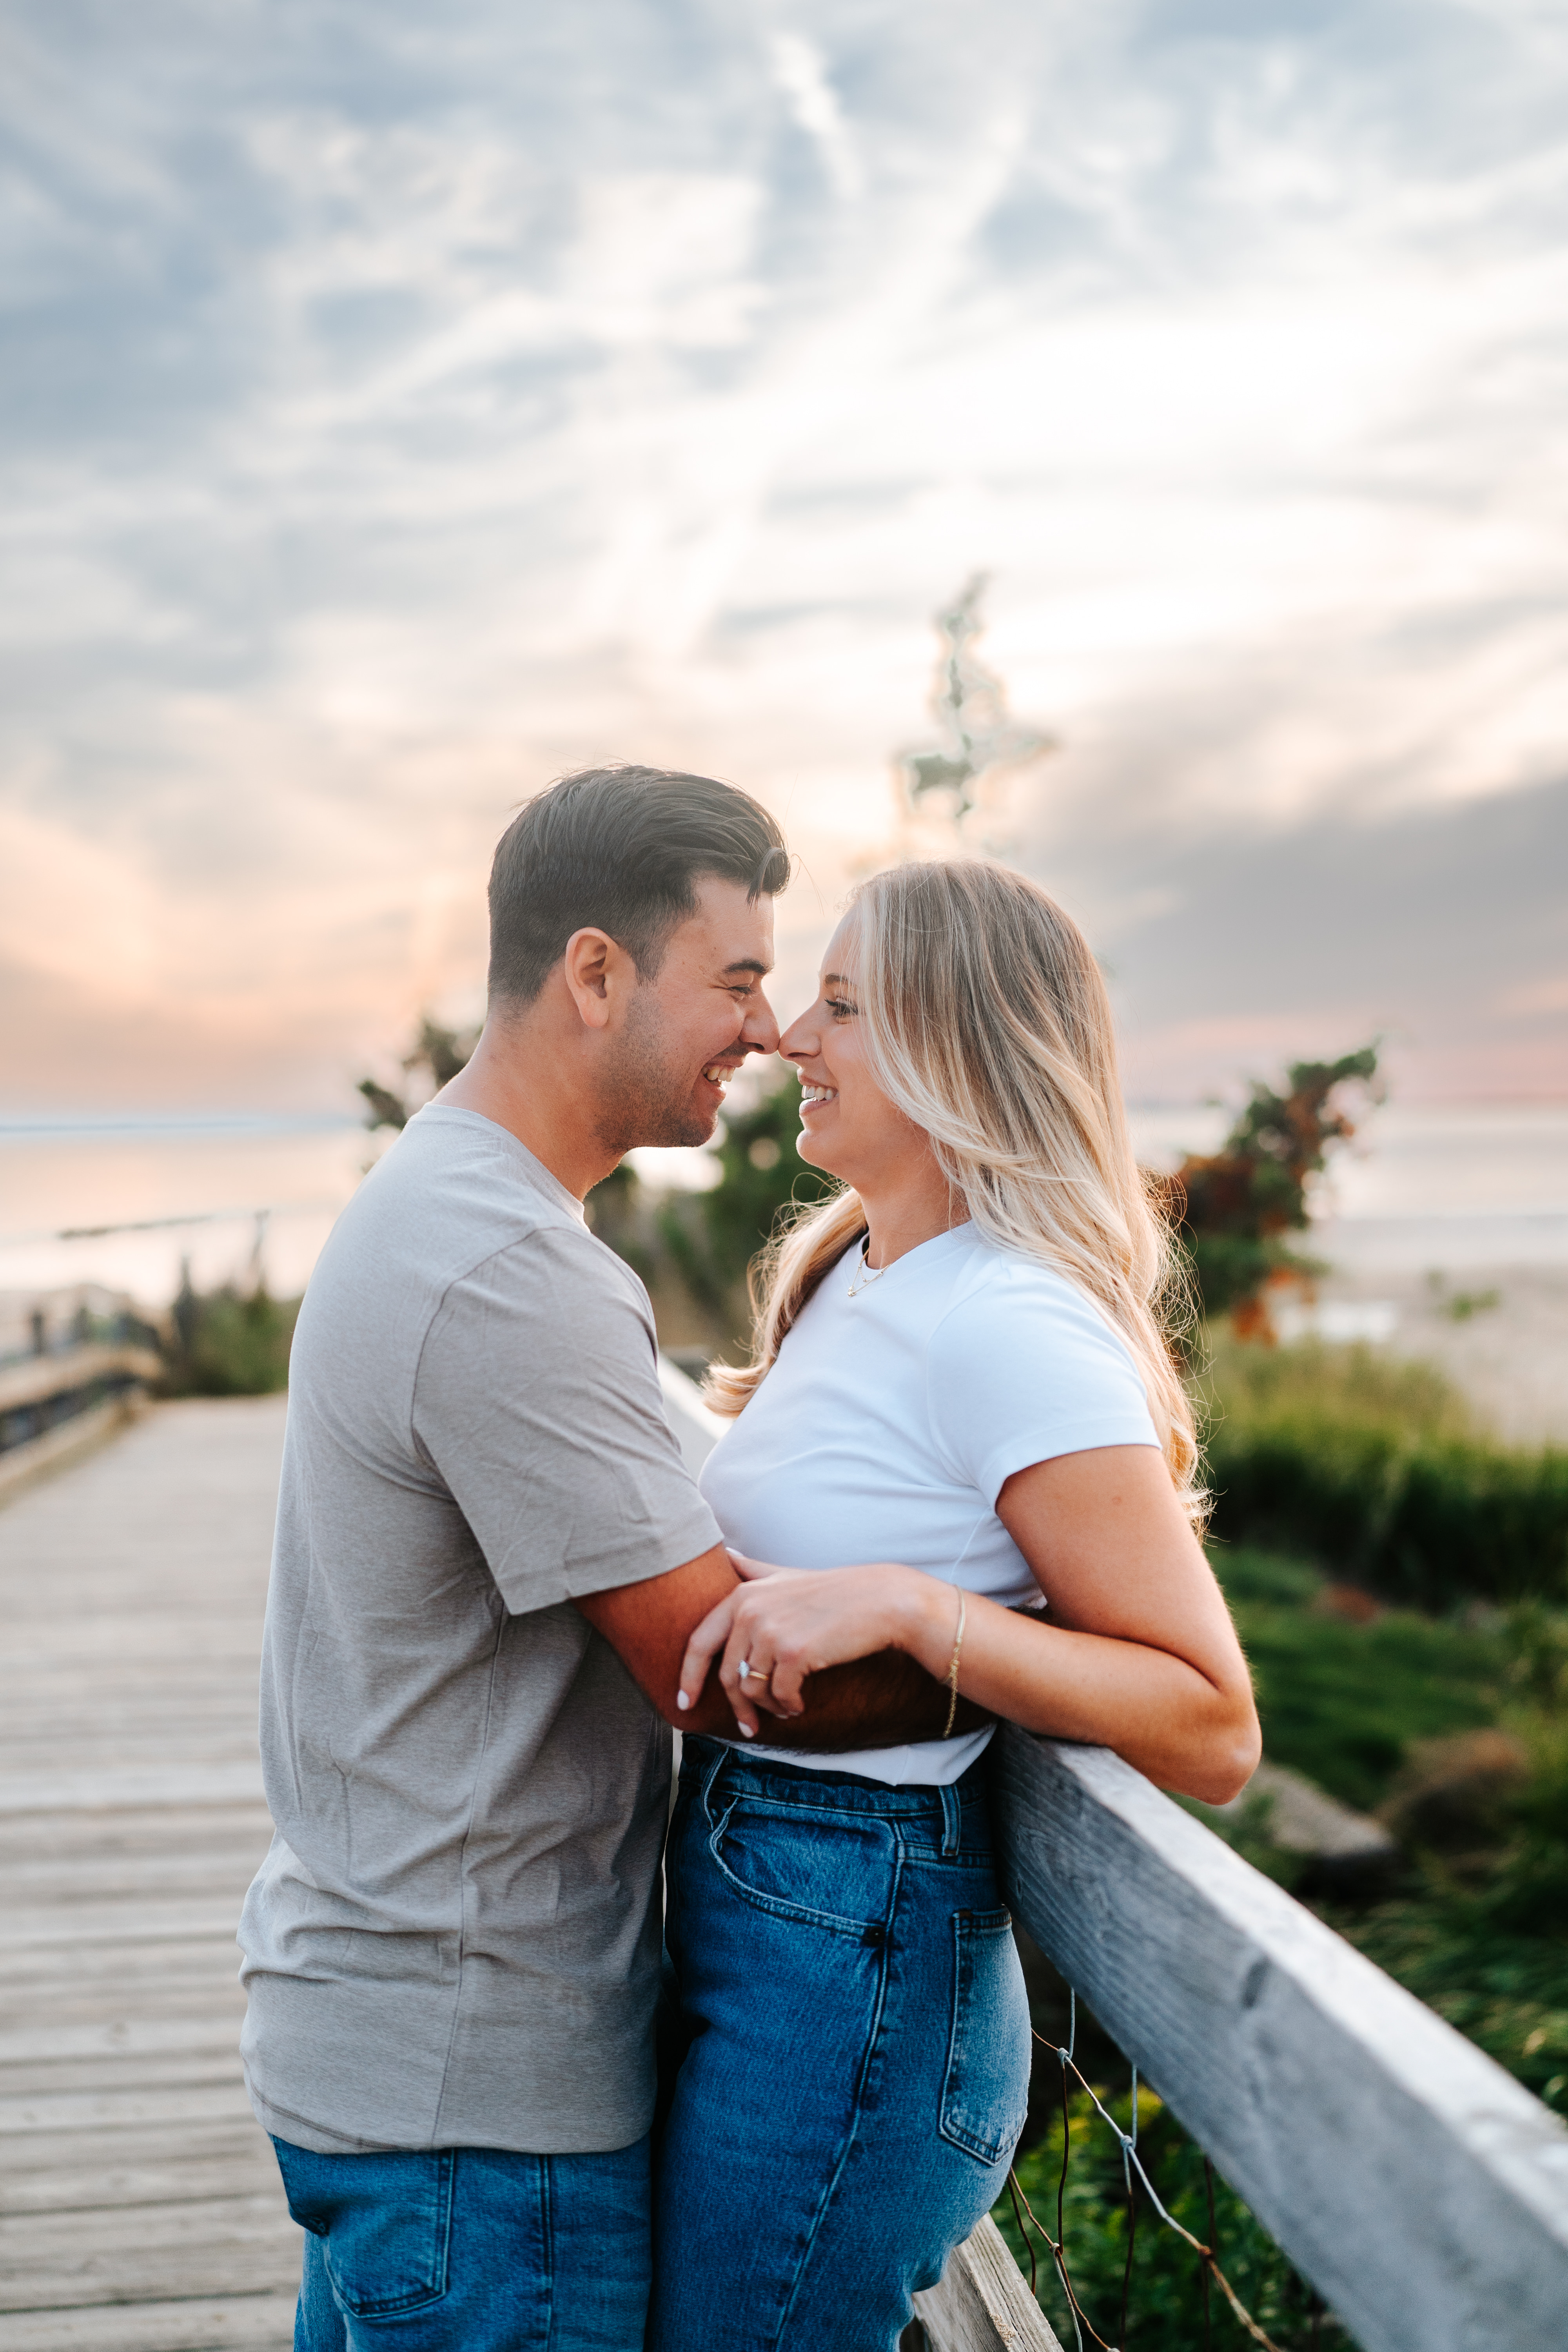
(799, 1040)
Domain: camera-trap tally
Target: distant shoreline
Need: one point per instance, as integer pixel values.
(63, 1127)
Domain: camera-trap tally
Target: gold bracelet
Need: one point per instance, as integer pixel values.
(953, 1666)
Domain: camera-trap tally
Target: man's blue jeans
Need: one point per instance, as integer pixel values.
(856, 2062)
(470, 2250)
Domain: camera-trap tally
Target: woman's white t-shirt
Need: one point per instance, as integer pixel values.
(892, 1420)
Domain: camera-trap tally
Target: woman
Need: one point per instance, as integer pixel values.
(959, 1369)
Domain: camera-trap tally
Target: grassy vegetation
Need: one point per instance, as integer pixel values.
(1373, 1466)
(1166, 2291)
(1476, 1924)
(1343, 1701)
(227, 1343)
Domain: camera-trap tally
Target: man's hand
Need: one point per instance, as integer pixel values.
(873, 1702)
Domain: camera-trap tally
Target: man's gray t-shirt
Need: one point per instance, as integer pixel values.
(454, 1941)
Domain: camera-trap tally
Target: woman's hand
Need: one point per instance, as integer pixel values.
(784, 1623)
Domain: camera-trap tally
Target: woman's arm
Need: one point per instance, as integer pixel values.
(1138, 1653)
(880, 1699)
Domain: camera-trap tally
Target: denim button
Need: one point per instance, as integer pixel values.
(875, 1934)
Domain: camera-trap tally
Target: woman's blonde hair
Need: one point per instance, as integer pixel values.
(985, 1020)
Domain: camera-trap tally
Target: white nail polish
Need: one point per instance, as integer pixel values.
(746, 1731)
(681, 1699)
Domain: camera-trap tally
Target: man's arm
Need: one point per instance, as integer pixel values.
(879, 1702)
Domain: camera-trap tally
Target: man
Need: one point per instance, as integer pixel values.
(489, 1559)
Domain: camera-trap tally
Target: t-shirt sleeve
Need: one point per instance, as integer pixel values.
(537, 1400)
(1025, 1369)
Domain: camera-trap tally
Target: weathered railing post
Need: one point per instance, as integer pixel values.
(984, 2302)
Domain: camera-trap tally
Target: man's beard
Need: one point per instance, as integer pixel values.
(647, 1096)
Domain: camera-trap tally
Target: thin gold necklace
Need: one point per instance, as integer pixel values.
(869, 1272)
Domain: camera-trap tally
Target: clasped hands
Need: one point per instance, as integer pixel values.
(784, 1623)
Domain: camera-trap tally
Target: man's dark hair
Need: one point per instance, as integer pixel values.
(620, 849)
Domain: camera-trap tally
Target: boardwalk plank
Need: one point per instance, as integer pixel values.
(231, 2245)
(72, 1878)
(260, 2322)
(140, 2205)
(216, 2061)
(55, 2172)
(89, 2110)
(53, 1978)
(148, 1920)
(119, 2039)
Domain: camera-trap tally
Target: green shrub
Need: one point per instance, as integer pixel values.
(1482, 1936)
(225, 1344)
(1476, 1922)
(1165, 2294)
(1372, 1468)
(1242, 1380)
(1232, 1209)
(1343, 1701)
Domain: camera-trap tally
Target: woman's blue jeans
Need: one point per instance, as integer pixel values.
(470, 2250)
(856, 2058)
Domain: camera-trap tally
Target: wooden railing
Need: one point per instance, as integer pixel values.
(1419, 2188)
(55, 1404)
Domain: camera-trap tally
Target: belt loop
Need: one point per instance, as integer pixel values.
(951, 1817)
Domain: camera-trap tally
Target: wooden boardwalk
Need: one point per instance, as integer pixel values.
(140, 2205)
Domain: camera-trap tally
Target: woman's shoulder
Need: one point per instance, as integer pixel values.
(991, 1279)
(1025, 1365)
(1010, 1298)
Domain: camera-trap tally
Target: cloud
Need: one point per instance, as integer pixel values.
(800, 73)
(1443, 931)
(397, 410)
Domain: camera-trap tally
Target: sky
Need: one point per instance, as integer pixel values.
(399, 406)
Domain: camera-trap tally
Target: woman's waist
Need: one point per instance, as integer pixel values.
(822, 1780)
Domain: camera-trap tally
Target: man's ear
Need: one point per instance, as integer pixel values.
(596, 970)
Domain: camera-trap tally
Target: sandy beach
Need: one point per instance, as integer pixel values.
(1500, 1333)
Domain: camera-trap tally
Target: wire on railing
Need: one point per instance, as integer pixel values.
(1133, 2174)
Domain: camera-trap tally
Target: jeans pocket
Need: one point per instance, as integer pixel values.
(386, 2220)
(985, 2090)
(834, 1872)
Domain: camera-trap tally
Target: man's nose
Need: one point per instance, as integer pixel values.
(760, 1032)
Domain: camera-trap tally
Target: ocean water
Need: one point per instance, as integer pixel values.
(1455, 1191)
(58, 1183)
(1452, 1190)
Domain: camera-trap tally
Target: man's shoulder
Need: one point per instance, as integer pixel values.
(450, 1214)
(550, 1269)
(453, 1189)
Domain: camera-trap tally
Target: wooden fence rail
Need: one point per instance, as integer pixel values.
(1420, 2189)
(57, 1405)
